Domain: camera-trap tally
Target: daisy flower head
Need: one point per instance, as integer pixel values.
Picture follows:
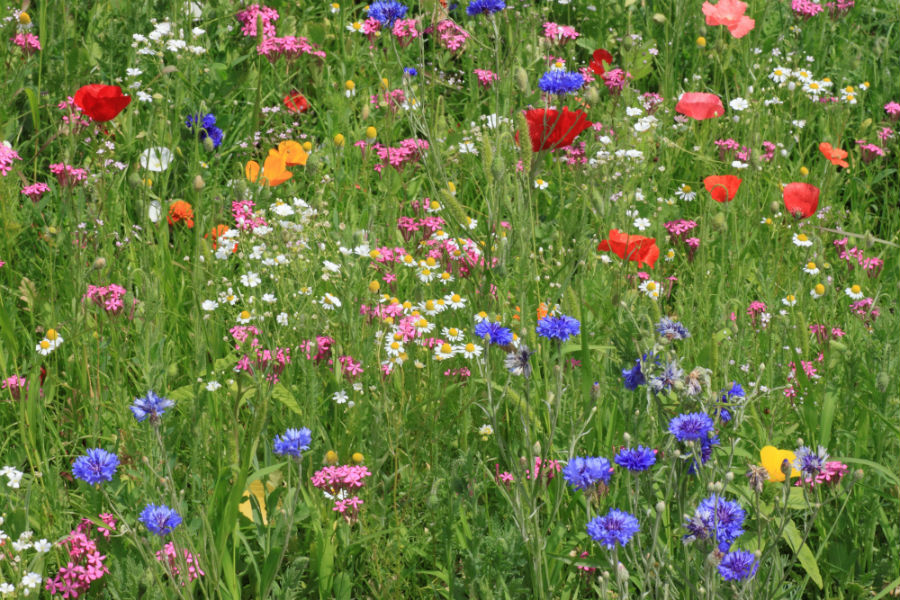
(650, 288)
(789, 300)
(330, 302)
(485, 431)
(455, 301)
(52, 340)
(244, 317)
(802, 240)
(468, 350)
(443, 351)
(811, 268)
(452, 333)
(818, 291)
(855, 292)
(686, 193)
(540, 184)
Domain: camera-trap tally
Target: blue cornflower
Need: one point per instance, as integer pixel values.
(561, 82)
(293, 442)
(159, 519)
(717, 519)
(516, 362)
(727, 397)
(152, 406)
(96, 466)
(484, 7)
(208, 129)
(672, 329)
(583, 472)
(558, 328)
(616, 526)
(500, 336)
(636, 459)
(810, 463)
(691, 426)
(738, 565)
(410, 71)
(386, 12)
(671, 376)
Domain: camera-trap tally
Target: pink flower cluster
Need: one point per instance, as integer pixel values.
(651, 101)
(730, 147)
(806, 8)
(240, 333)
(244, 216)
(451, 36)
(7, 156)
(381, 311)
(486, 78)
(75, 116)
(270, 362)
(756, 310)
(824, 334)
(67, 175)
(575, 154)
(832, 472)
(893, 110)
(865, 310)
(392, 99)
(856, 257)
(109, 297)
(678, 229)
(409, 151)
(461, 373)
(28, 42)
(547, 468)
(35, 190)
(616, 80)
(14, 384)
(870, 151)
(768, 151)
(405, 31)
(290, 47)
(169, 555)
(839, 8)
(338, 482)
(252, 14)
(559, 34)
(428, 225)
(86, 563)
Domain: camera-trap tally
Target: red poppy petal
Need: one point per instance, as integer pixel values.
(801, 199)
(700, 105)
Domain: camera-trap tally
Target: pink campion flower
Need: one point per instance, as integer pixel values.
(806, 8)
(451, 36)
(729, 13)
(252, 14)
(370, 27)
(405, 31)
(290, 47)
(486, 78)
(7, 156)
(870, 151)
(67, 175)
(28, 42)
(15, 385)
(615, 80)
(885, 133)
(35, 190)
(893, 110)
(839, 8)
(559, 34)
(651, 101)
(768, 151)
(169, 556)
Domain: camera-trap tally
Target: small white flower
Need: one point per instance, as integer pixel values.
(133, 72)
(329, 302)
(633, 111)
(467, 147)
(469, 350)
(250, 279)
(209, 305)
(282, 319)
(485, 431)
(212, 385)
(789, 300)
(156, 159)
(340, 397)
(854, 292)
(811, 268)
(42, 546)
(642, 223)
(739, 104)
(269, 298)
(540, 184)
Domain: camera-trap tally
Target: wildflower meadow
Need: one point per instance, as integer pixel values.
(552, 299)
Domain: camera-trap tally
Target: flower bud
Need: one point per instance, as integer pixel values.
(371, 132)
(99, 263)
(592, 95)
(357, 458)
(660, 507)
(719, 223)
(366, 113)
(339, 140)
(199, 184)
(331, 457)
(701, 41)
(869, 239)
(208, 144)
(521, 77)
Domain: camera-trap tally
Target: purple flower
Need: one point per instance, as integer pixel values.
(614, 527)
(152, 406)
(558, 328)
(96, 466)
(691, 426)
(717, 519)
(499, 335)
(636, 459)
(293, 442)
(583, 472)
(160, 520)
(738, 565)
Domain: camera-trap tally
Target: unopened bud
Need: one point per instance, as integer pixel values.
(99, 263)
(199, 184)
(869, 239)
(365, 113)
(719, 223)
(729, 476)
(592, 95)
(883, 381)
(775, 207)
(660, 507)
(627, 437)
(521, 77)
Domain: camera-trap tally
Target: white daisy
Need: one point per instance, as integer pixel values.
(801, 239)
(811, 268)
(455, 300)
(855, 292)
(452, 333)
(469, 350)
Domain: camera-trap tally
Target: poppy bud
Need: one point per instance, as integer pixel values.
(208, 144)
(199, 184)
(869, 239)
(719, 223)
(172, 370)
(240, 189)
(521, 77)
(774, 207)
(883, 381)
(366, 113)
(592, 95)
(99, 263)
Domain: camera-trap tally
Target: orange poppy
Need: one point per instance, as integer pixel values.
(631, 247)
(293, 153)
(835, 155)
(801, 199)
(215, 233)
(542, 311)
(273, 172)
(181, 211)
(722, 187)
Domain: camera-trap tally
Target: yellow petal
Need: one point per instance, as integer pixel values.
(252, 170)
(771, 458)
(259, 492)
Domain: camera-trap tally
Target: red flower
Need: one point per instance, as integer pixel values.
(801, 199)
(835, 155)
(101, 102)
(600, 56)
(631, 247)
(700, 105)
(549, 129)
(295, 102)
(722, 187)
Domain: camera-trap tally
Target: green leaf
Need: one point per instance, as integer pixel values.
(33, 104)
(284, 395)
(806, 557)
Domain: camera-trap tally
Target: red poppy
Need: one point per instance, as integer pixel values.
(631, 247)
(101, 102)
(801, 199)
(722, 187)
(700, 105)
(600, 56)
(296, 102)
(549, 129)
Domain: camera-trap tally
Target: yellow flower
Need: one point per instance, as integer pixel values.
(357, 457)
(772, 458)
(350, 85)
(701, 41)
(804, 171)
(371, 132)
(339, 139)
(374, 286)
(331, 457)
(24, 18)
